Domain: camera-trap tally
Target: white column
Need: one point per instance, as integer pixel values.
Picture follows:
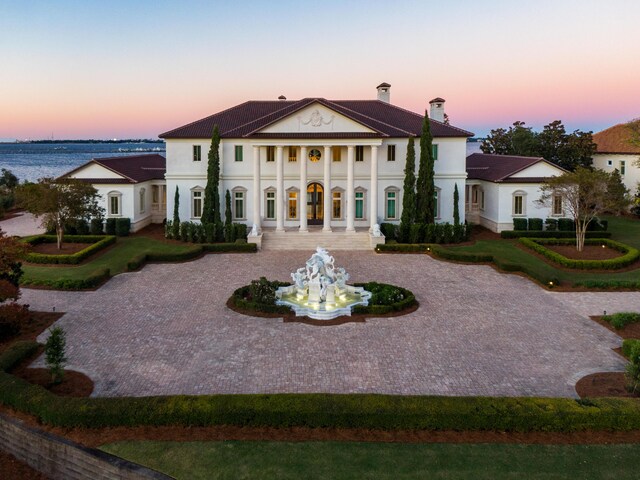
(351, 195)
(327, 189)
(302, 196)
(279, 190)
(373, 193)
(257, 191)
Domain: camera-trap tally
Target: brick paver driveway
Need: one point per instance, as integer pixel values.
(166, 330)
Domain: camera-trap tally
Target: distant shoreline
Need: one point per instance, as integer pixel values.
(128, 140)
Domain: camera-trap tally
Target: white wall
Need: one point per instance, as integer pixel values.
(93, 170)
(631, 178)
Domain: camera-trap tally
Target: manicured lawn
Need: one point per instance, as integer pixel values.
(115, 260)
(349, 460)
(624, 230)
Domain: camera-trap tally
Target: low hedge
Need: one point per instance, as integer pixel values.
(369, 411)
(408, 299)
(550, 234)
(403, 247)
(609, 284)
(98, 243)
(622, 319)
(630, 256)
(93, 280)
(628, 344)
(238, 300)
(191, 253)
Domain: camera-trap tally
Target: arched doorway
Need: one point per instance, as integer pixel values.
(315, 204)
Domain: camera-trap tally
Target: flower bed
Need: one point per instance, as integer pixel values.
(98, 242)
(629, 254)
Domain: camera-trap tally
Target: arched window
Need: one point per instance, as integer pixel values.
(292, 203)
(197, 201)
(391, 195)
(238, 197)
(337, 196)
(519, 203)
(114, 204)
(270, 203)
(361, 203)
(143, 206)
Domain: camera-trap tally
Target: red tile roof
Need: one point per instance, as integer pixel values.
(616, 139)
(135, 168)
(246, 119)
(498, 168)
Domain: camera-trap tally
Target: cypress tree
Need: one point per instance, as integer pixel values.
(409, 193)
(228, 224)
(176, 215)
(211, 208)
(425, 188)
(456, 209)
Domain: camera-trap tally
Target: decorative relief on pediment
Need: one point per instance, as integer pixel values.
(316, 119)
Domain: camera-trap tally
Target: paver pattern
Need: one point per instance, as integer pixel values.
(166, 330)
(22, 225)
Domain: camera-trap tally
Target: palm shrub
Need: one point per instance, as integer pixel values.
(54, 354)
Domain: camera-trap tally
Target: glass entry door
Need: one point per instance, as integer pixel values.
(315, 204)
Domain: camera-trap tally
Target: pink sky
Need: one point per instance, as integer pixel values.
(115, 71)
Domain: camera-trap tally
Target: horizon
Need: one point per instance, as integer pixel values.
(105, 71)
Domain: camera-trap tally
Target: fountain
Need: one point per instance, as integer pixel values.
(320, 290)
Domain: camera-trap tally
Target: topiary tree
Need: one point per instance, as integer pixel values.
(409, 193)
(211, 208)
(175, 224)
(54, 354)
(456, 208)
(228, 223)
(425, 188)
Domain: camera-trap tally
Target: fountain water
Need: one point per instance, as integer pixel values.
(320, 290)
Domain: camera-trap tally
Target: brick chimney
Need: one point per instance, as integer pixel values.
(437, 109)
(384, 92)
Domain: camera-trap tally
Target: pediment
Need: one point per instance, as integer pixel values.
(316, 118)
(539, 169)
(94, 170)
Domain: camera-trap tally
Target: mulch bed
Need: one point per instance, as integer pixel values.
(290, 316)
(589, 252)
(155, 231)
(631, 330)
(604, 384)
(52, 248)
(38, 323)
(12, 468)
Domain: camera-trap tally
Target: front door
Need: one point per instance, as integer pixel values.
(315, 204)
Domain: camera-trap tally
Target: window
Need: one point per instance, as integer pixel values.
(481, 199)
(359, 205)
(142, 200)
(293, 154)
(271, 154)
(610, 163)
(391, 153)
(155, 194)
(239, 154)
(114, 204)
(271, 205)
(336, 205)
(292, 205)
(359, 153)
(197, 153)
(623, 167)
(336, 153)
(196, 203)
(434, 151)
(519, 203)
(391, 198)
(238, 205)
(436, 203)
(557, 205)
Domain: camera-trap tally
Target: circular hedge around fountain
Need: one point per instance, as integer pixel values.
(259, 299)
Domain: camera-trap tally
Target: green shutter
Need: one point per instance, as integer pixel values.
(434, 151)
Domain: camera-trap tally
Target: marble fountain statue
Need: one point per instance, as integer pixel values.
(320, 290)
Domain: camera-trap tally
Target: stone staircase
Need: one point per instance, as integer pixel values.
(337, 240)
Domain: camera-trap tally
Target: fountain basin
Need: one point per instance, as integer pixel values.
(342, 304)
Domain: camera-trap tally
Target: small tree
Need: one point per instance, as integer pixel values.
(8, 184)
(57, 202)
(54, 354)
(632, 372)
(618, 193)
(12, 314)
(456, 208)
(585, 194)
(175, 224)
(211, 208)
(228, 223)
(425, 188)
(408, 217)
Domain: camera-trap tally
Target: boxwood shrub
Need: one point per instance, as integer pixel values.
(123, 226)
(97, 226)
(628, 344)
(368, 411)
(385, 299)
(535, 224)
(630, 254)
(622, 319)
(566, 225)
(609, 284)
(550, 234)
(93, 280)
(110, 226)
(520, 223)
(98, 243)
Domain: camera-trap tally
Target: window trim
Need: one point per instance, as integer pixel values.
(365, 201)
(289, 192)
(271, 154)
(341, 192)
(142, 194)
(553, 205)
(359, 157)
(235, 191)
(267, 191)
(338, 150)
(114, 194)
(293, 154)
(194, 190)
(196, 153)
(391, 153)
(396, 191)
(238, 153)
(434, 151)
(438, 197)
(623, 168)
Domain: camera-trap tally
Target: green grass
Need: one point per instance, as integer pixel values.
(116, 259)
(624, 230)
(397, 461)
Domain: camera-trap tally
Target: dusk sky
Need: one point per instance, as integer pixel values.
(122, 69)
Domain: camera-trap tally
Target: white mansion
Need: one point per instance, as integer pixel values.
(290, 165)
